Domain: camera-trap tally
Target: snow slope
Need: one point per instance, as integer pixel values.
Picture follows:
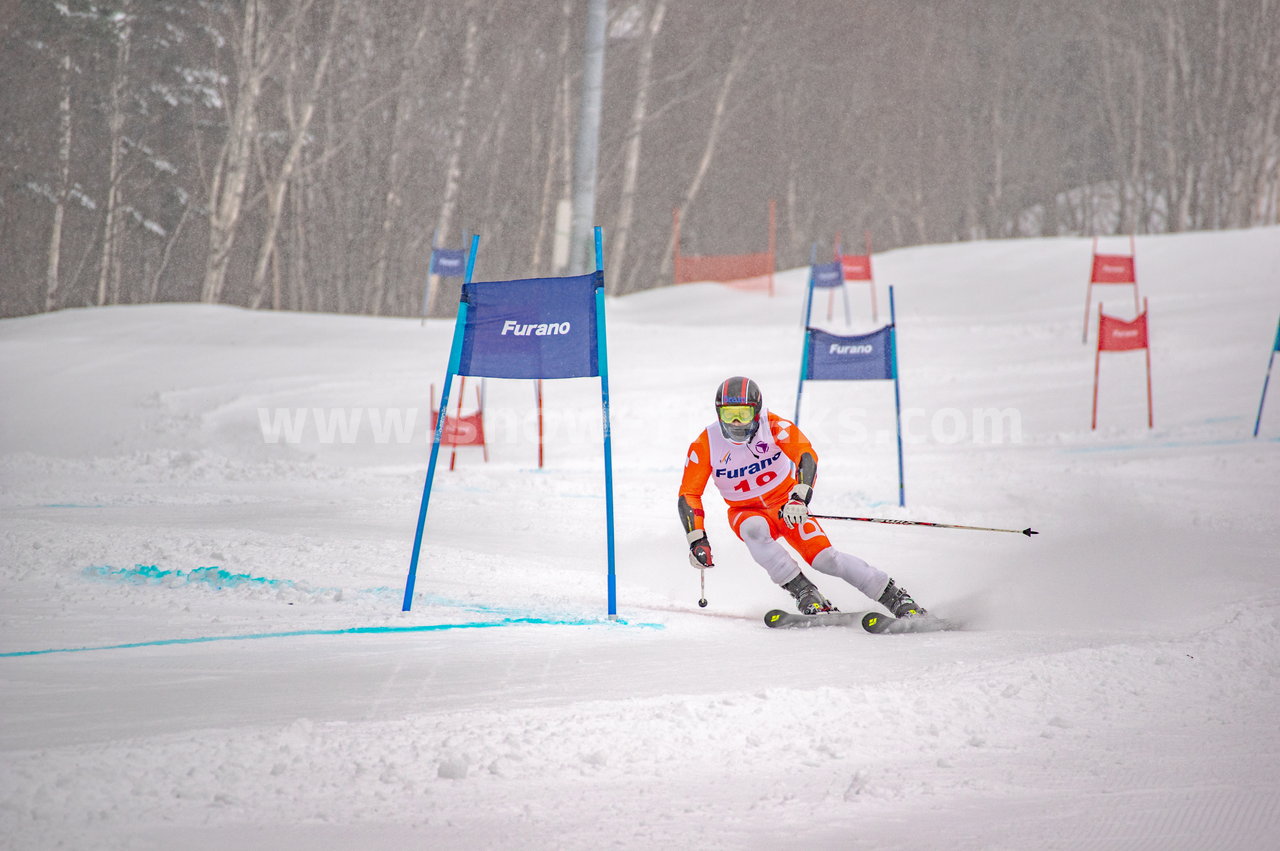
(201, 642)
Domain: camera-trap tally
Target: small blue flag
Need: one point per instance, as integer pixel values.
(865, 357)
(532, 328)
(449, 262)
(827, 275)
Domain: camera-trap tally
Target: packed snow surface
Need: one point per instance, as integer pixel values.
(208, 515)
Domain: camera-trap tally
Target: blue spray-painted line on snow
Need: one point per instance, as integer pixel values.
(218, 578)
(212, 576)
(478, 608)
(355, 630)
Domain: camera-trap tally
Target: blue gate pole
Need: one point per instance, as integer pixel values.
(808, 300)
(1270, 362)
(804, 372)
(455, 356)
(897, 399)
(602, 358)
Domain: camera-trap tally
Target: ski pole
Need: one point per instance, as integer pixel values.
(702, 579)
(1028, 531)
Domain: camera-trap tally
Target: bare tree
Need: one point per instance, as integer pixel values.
(453, 165)
(109, 265)
(64, 182)
(254, 56)
(297, 153)
(631, 168)
(557, 145)
(733, 68)
(299, 117)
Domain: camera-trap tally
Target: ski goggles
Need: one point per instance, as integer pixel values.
(737, 414)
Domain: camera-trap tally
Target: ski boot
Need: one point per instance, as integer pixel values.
(809, 599)
(899, 602)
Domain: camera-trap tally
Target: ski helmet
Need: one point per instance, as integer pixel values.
(738, 404)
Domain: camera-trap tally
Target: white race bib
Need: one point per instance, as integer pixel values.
(747, 470)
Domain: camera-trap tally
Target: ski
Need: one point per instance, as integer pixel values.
(879, 624)
(778, 619)
(873, 622)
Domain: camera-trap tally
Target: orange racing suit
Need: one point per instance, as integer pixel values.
(754, 478)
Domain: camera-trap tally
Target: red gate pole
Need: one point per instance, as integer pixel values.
(1133, 253)
(875, 316)
(537, 390)
(831, 296)
(1088, 293)
(453, 454)
(1151, 423)
(1097, 361)
(484, 442)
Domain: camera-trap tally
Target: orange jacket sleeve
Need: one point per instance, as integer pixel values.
(792, 441)
(697, 470)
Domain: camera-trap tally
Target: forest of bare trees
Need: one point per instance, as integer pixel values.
(304, 154)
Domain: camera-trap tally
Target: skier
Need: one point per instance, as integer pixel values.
(765, 468)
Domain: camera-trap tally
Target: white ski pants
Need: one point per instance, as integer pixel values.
(782, 568)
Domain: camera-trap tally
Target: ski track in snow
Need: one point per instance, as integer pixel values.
(1116, 687)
